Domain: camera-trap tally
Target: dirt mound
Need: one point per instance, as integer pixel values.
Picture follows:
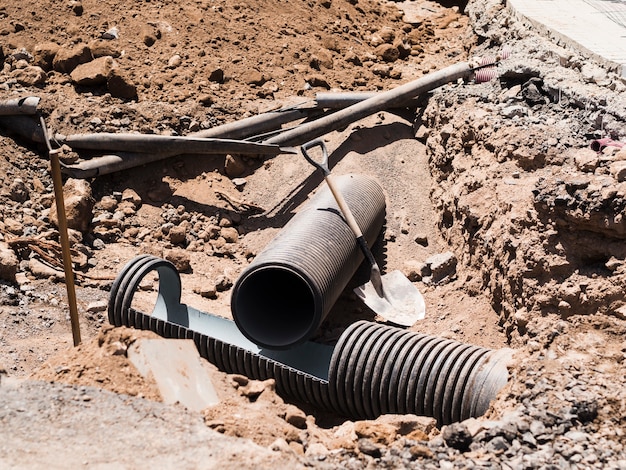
(499, 176)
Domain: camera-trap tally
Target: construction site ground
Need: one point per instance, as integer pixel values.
(499, 177)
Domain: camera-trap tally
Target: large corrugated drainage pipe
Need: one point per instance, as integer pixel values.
(373, 369)
(281, 299)
(377, 369)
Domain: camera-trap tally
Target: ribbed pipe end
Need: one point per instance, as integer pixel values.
(377, 369)
(281, 299)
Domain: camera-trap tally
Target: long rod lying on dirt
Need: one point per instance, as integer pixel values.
(384, 100)
(16, 106)
(165, 144)
(64, 238)
(259, 124)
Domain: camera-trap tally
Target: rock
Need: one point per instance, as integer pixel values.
(239, 183)
(255, 388)
(316, 450)
(174, 61)
(93, 73)
(43, 271)
(457, 436)
(387, 52)
(321, 59)
(421, 239)
(177, 235)
(150, 35)
(442, 265)
(30, 76)
(120, 85)
(78, 205)
(206, 290)
(618, 170)
(223, 283)
(230, 234)
(514, 111)
(69, 57)
(77, 7)
(9, 263)
(234, 166)
(98, 306)
(101, 48)
(43, 55)
(13, 226)
(18, 191)
(253, 77)
(130, 195)
(317, 81)
(367, 447)
(179, 258)
(296, 417)
(413, 270)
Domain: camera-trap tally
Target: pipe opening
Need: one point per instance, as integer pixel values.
(275, 307)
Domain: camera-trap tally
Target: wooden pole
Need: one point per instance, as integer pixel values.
(64, 238)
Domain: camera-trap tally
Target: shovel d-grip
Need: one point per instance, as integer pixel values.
(373, 369)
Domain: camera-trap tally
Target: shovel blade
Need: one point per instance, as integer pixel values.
(401, 304)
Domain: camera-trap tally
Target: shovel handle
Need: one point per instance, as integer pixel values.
(320, 165)
(323, 167)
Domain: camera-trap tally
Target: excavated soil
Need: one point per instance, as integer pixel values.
(497, 177)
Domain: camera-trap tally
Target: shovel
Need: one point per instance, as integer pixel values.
(391, 296)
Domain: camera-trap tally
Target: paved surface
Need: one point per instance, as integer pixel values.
(595, 26)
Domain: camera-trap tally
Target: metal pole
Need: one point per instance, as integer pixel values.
(65, 241)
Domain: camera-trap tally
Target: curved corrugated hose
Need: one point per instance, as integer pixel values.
(283, 296)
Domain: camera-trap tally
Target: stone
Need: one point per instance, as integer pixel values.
(18, 191)
(93, 73)
(618, 170)
(317, 80)
(98, 306)
(514, 111)
(130, 195)
(108, 203)
(223, 283)
(177, 235)
(102, 48)
(254, 77)
(43, 54)
(316, 449)
(413, 270)
(44, 271)
(457, 436)
(179, 258)
(9, 263)
(68, 58)
(30, 76)
(120, 85)
(78, 205)
(234, 166)
(368, 447)
(230, 234)
(296, 417)
(442, 265)
(387, 52)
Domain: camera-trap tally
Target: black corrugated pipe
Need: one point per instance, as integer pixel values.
(373, 369)
(281, 299)
(377, 369)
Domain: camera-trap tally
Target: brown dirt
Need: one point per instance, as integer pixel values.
(533, 273)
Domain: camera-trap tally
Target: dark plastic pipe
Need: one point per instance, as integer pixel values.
(281, 299)
(377, 369)
(373, 369)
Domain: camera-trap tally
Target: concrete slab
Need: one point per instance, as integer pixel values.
(594, 26)
(177, 369)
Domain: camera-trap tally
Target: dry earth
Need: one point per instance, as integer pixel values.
(499, 174)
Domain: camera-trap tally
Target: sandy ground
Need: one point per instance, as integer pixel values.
(500, 174)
